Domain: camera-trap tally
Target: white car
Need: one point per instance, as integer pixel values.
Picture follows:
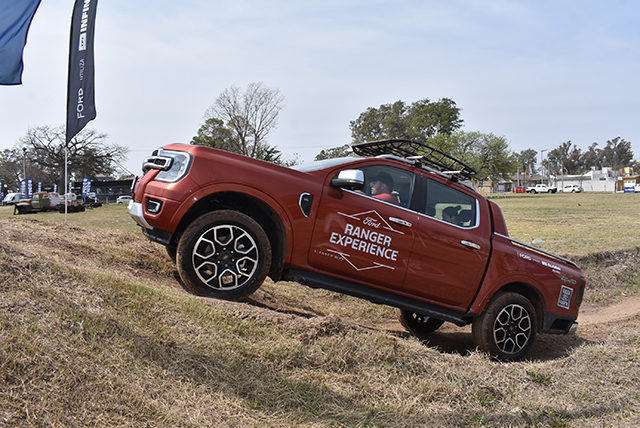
(123, 199)
(11, 199)
(571, 188)
(542, 188)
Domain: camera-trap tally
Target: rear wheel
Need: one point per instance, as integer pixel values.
(223, 254)
(418, 324)
(507, 327)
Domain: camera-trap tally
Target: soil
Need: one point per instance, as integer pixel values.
(599, 317)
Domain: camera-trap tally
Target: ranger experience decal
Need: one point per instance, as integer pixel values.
(367, 233)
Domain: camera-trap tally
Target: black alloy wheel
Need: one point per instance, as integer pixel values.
(507, 327)
(223, 254)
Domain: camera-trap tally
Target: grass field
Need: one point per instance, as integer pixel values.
(574, 224)
(111, 216)
(95, 331)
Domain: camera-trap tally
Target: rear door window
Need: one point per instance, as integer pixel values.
(450, 205)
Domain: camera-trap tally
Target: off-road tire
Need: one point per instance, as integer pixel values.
(418, 324)
(223, 254)
(507, 327)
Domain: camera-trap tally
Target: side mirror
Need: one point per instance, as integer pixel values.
(350, 179)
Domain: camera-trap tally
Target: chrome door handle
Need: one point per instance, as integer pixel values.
(470, 245)
(400, 221)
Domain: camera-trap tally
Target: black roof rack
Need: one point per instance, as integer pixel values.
(414, 150)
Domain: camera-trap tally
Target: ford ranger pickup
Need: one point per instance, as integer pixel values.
(396, 224)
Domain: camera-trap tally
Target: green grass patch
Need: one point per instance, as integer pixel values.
(574, 223)
(108, 216)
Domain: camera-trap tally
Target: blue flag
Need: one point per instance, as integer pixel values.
(23, 189)
(15, 19)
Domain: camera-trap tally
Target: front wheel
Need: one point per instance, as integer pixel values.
(223, 254)
(172, 250)
(418, 324)
(507, 327)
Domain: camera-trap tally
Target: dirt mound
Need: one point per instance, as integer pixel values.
(611, 275)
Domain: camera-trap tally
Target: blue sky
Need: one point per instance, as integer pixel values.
(538, 72)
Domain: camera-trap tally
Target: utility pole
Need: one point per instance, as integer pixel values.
(541, 166)
(24, 163)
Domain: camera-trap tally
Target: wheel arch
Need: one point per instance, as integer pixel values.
(257, 209)
(531, 294)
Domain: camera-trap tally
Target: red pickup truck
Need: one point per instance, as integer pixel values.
(395, 225)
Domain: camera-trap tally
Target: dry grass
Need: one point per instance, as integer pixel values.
(95, 330)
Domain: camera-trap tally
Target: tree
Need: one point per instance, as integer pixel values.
(11, 168)
(421, 121)
(88, 154)
(241, 122)
(489, 155)
(592, 158)
(565, 159)
(334, 152)
(427, 119)
(214, 134)
(617, 154)
(527, 159)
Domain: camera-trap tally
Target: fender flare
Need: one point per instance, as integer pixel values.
(204, 192)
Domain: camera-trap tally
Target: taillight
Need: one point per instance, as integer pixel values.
(580, 293)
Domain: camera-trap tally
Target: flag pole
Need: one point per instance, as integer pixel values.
(80, 84)
(66, 205)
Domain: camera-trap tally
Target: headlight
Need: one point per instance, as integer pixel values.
(173, 165)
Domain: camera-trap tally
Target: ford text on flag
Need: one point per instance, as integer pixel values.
(80, 89)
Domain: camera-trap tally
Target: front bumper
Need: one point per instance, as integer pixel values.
(136, 210)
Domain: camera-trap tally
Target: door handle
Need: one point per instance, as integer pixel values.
(400, 221)
(470, 245)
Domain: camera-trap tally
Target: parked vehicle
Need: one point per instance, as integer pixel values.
(429, 244)
(123, 199)
(11, 199)
(542, 188)
(74, 203)
(39, 202)
(48, 201)
(571, 188)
